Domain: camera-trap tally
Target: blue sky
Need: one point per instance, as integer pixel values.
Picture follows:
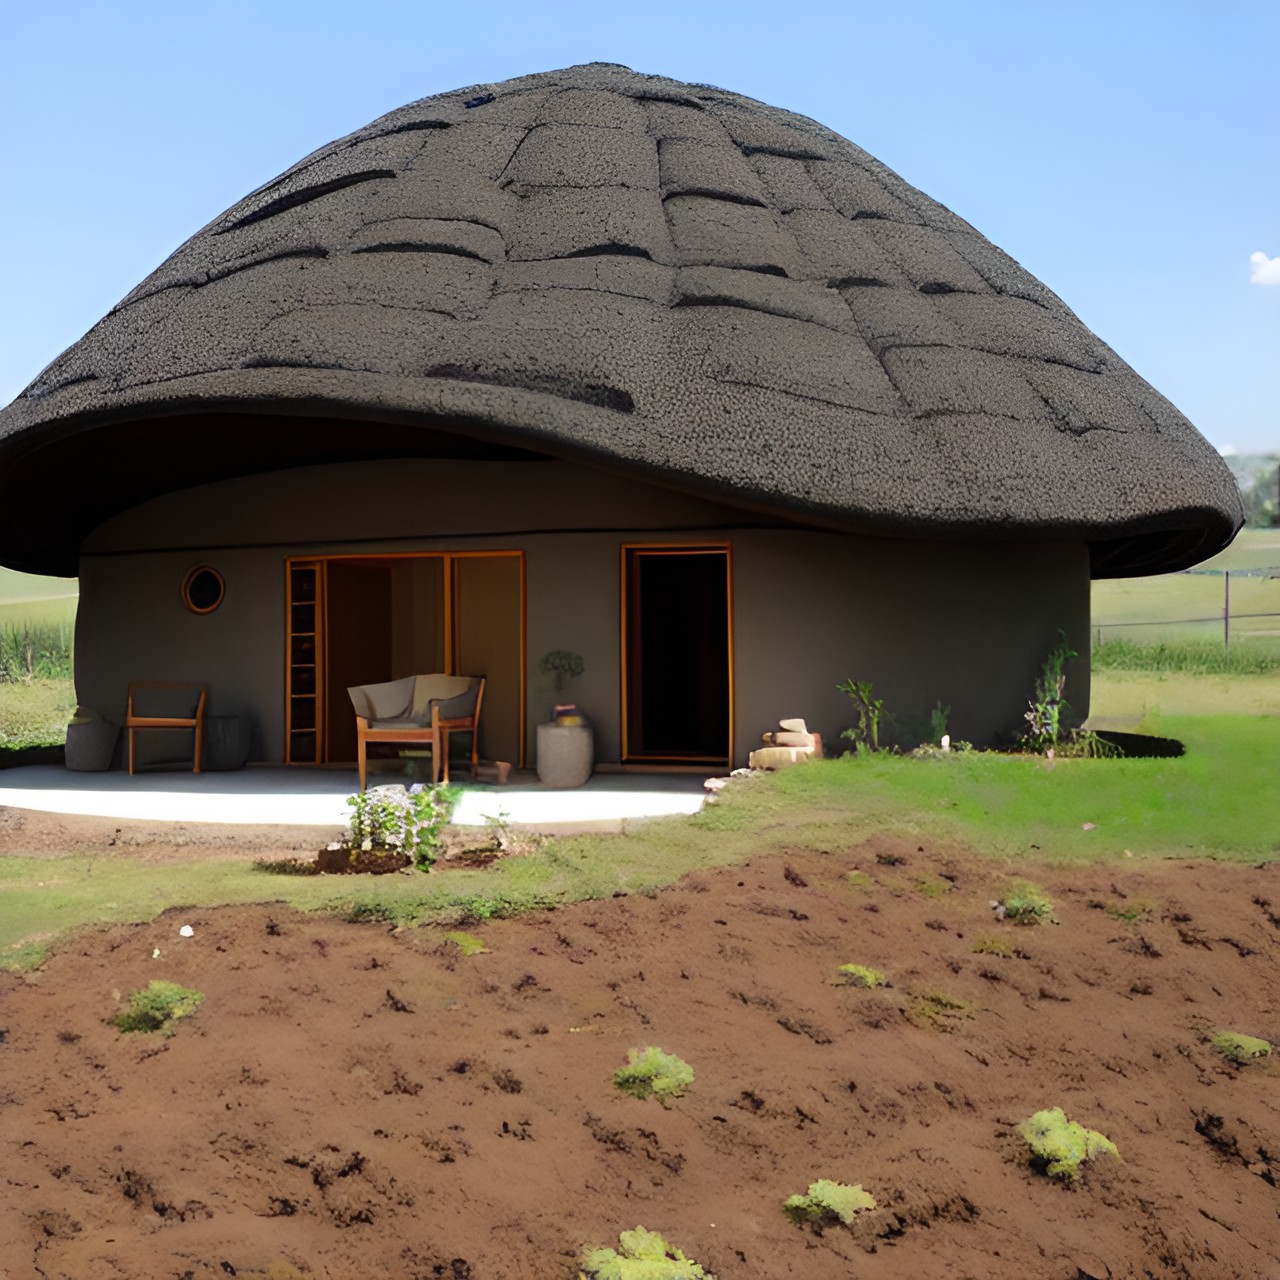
(1126, 153)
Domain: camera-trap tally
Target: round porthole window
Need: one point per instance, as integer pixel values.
(203, 589)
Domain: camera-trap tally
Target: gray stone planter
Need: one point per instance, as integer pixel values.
(90, 746)
(566, 754)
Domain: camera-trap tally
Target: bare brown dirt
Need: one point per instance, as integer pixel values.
(353, 1102)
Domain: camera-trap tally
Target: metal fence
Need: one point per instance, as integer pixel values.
(1225, 617)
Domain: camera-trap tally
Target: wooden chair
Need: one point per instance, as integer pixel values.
(170, 698)
(419, 710)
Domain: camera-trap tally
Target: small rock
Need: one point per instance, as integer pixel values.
(187, 931)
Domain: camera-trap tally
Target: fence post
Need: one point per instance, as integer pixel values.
(1226, 610)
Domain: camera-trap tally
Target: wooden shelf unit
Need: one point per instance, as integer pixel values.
(304, 665)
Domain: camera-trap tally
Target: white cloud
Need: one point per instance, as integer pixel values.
(1265, 270)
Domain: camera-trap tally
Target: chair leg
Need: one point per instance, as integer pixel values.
(474, 751)
(130, 750)
(361, 752)
(199, 748)
(435, 760)
(440, 755)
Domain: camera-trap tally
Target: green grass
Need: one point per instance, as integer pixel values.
(1220, 800)
(1142, 699)
(1255, 657)
(26, 587)
(1127, 608)
(35, 713)
(1252, 549)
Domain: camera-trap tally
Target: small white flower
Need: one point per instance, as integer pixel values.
(366, 845)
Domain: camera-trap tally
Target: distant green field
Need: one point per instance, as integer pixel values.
(25, 598)
(1150, 610)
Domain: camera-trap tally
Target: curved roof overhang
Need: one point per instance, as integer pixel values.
(222, 429)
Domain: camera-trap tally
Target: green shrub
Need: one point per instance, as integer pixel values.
(1060, 1146)
(1026, 905)
(1044, 719)
(467, 943)
(642, 1255)
(650, 1073)
(1240, 1049)
(158, 1007)
(860, 975)
(826, 1203)
(865, 735)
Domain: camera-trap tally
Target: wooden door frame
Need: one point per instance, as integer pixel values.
(449, 592)
(627, 550)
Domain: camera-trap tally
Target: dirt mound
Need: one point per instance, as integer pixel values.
(352, 1102)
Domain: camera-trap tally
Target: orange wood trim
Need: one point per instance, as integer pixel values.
(733, 688)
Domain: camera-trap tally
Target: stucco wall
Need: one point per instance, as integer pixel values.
(968, 624)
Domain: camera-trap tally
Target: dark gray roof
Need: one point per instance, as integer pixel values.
(640, 274)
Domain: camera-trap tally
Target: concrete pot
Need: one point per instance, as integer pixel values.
(90, 746)
(566, 754)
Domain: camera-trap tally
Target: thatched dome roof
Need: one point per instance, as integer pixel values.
(643, 275)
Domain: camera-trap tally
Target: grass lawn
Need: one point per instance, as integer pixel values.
(35, 713)
(1218, 801)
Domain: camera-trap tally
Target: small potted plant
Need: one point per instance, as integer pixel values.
(566, 746)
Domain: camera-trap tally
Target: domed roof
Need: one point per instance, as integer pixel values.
(660, 278)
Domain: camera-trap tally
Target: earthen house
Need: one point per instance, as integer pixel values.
(595, 361)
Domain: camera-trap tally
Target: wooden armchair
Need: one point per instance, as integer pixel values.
(174, 704)
(421, 710)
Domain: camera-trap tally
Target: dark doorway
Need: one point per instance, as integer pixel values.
(359, 643)
(678, 665)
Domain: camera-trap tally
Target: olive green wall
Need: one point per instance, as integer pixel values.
(964, 623)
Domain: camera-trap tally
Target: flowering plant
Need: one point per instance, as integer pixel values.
(400, 821)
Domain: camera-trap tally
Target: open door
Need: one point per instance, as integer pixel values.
(677, 661)
(366, 619)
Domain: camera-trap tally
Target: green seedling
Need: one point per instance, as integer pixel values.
(859, 880)
(1240, 1049)
(860, 975)
(641, 1255)
(1026, 905)
(467, 943)
(826, 1203)
(1060, 1146)
(650, 1073)
(158, 1007)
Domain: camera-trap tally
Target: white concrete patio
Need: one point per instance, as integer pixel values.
(265, 796)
